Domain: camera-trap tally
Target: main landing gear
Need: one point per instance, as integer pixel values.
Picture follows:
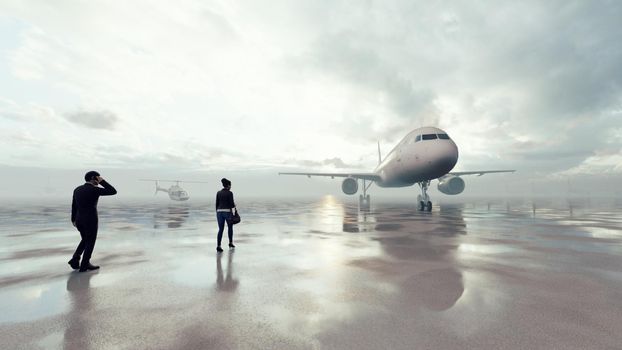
(364, 199)
(423, 198)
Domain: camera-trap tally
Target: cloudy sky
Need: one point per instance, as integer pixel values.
(213, 87)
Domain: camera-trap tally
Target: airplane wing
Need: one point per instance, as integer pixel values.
(362, 176)
(480, 173)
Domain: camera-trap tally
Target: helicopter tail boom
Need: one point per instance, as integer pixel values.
(159, 189)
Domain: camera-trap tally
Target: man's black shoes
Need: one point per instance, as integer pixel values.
(231, 245)
(74, 263)
(218, 249)
(88, 267)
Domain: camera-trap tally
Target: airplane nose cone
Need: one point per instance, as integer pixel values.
(447, 158)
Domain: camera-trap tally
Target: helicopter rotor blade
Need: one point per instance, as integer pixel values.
(178, 181)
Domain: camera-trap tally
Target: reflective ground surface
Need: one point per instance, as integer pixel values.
(317, 274)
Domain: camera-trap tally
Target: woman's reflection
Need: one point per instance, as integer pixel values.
(78, 330)
(227, 283)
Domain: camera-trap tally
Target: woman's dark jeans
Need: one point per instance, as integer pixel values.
(222, 217)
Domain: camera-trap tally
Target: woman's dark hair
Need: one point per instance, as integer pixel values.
(225, 182)
(90, 175)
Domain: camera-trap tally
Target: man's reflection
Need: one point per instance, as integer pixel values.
(417, 239)
(77, 331)
(227, 283)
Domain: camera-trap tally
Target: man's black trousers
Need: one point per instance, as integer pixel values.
(87, 244)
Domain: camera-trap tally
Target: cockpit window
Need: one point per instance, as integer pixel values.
(443, 136)
(418, 138)
(428, 136)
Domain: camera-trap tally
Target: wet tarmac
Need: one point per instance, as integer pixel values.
(317, 274)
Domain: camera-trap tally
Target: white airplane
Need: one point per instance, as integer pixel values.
(425, 154)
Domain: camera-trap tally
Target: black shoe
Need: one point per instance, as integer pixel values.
(218, 249)
(74, 263)
(231, 245)
(88, 267)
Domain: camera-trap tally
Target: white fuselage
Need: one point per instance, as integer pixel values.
(175, 193)
(424, 154)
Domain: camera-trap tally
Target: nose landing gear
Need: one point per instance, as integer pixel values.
(423, 198)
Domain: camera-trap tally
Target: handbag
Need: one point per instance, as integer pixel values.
(235, 218)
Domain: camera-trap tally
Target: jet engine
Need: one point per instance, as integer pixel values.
(350, 186)
(450, 184)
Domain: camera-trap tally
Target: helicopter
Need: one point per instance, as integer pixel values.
(175, 192)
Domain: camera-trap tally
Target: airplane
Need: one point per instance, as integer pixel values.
(175, 192)
(423, 155)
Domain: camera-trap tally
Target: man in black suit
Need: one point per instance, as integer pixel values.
(84, 217)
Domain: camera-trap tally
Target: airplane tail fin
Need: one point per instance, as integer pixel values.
(379, 155)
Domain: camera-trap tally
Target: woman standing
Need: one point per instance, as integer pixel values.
(224, 207)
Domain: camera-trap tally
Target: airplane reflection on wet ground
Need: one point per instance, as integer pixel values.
(317, 274)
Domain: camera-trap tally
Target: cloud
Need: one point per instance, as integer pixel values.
(355, 58)
(101, 120)
(10, 110)
(388, 100)
(598, 164)
(31, 112)
(189, 155)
